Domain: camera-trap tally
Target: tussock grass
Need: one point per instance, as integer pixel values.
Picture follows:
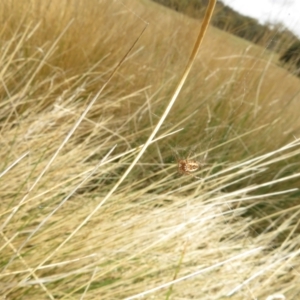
(232, 234)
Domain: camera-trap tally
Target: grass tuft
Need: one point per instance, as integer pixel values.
(92, 205)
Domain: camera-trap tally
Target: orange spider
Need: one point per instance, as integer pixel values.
(188, 166)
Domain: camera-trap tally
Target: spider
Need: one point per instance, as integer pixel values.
(188, 166)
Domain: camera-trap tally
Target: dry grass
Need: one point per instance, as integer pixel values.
(232, 234)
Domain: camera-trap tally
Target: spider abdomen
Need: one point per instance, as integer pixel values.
(187, 166)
